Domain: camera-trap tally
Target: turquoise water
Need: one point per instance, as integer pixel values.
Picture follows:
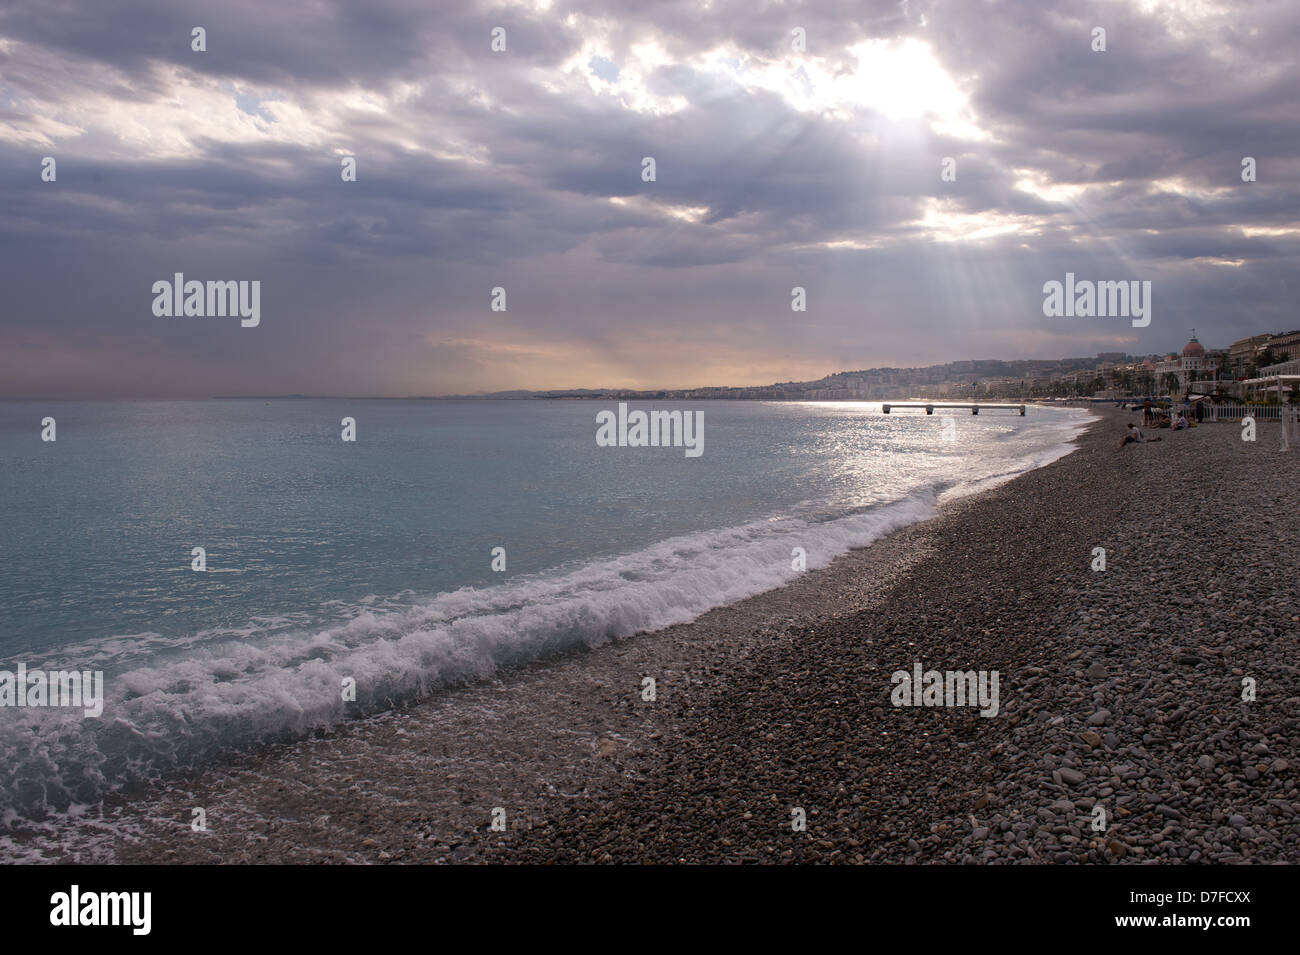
(372, 560)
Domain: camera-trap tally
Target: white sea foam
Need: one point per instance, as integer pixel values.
(288, 684)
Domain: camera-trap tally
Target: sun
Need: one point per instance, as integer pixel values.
(900, 80)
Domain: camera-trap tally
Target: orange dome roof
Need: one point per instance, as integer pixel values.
(1193, 349)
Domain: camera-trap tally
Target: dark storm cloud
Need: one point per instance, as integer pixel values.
(478, 169)
(318, 44)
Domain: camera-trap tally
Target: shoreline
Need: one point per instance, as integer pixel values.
(587, 770)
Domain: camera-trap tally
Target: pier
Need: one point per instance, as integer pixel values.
(974, 408)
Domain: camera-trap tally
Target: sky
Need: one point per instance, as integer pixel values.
(794, 145)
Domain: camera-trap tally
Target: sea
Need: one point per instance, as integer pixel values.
(449, 542)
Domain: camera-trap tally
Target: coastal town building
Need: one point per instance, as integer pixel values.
(1284, 347)
(1241, 354)
(1192, 367)
(1247, 356)
(1277, 382)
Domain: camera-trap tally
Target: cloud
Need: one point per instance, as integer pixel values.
(775, 167)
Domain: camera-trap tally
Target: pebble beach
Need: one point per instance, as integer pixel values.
(1121, 699)
(1121, 688)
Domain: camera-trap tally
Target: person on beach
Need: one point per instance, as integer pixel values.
(1134, 436)
(1146, 412)
(1180, 422)
(1200, 411)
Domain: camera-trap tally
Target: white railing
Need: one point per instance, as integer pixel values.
(1237, 412)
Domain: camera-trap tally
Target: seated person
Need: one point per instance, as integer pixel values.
(1134, 436)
